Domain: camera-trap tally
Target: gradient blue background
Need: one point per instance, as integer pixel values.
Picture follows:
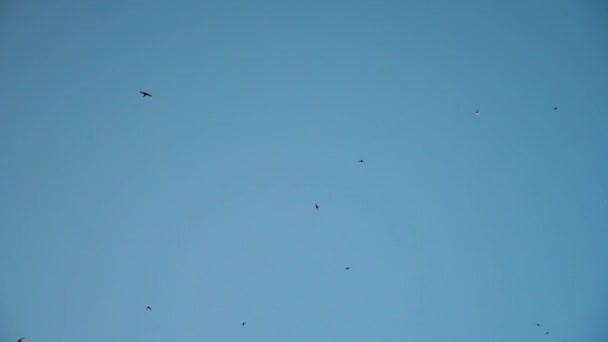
(199, 201)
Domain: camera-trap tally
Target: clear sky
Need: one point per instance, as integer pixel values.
(199, 200)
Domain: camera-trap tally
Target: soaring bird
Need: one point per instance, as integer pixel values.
(554, 108)
(538, 324)
(360, 160)
(347, 268)
(149, 308)
(243, 324)
(317, 206)
(21, 339)
(547, 333)
(145, 94)
(477, 112)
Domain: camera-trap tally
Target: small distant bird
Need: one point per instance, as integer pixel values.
(243, 324)
(149, 308)
(547, 333)
(347, 268)
(538, 324)
(554, 108)
(21, 339)
(360, 160)
(145, 94)
(477, 112)
(317, 206)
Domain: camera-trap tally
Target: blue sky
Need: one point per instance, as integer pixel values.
(199, 201)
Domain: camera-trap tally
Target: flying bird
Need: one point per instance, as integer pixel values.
(538, 324)
(149, 308)
(317, 206)
(477, 112)
(547, 333)
(21, 339)
(145, 94)
(360, 160)
(554, 108)
(347, 268)
(243, 324)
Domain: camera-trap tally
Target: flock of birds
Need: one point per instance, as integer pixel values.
(317, 206)
(538, 324)
(149, 308)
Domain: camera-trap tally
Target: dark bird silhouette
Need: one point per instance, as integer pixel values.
(554, 108)
(347, 268)
(145, 94)
(149, 308)
(360, 160)
(547, 333)
(317, 206)
(538, 324)
(243, 324)
(21, 339)
(477, 112)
